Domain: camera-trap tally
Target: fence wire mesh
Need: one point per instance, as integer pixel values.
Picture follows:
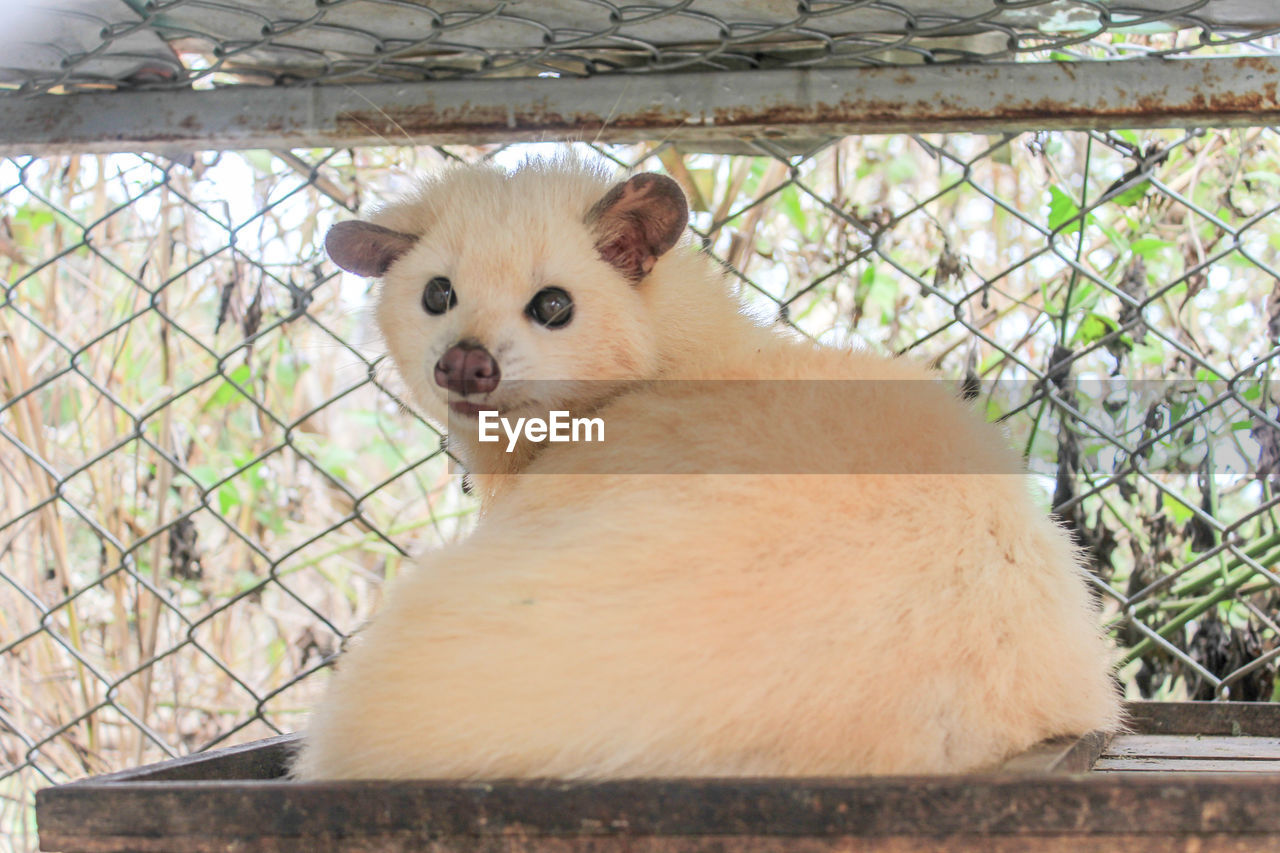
(78, 45)
(207, 472)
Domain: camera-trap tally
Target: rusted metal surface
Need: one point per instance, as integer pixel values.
(1055, 809)
(683, 107)
(89, 45)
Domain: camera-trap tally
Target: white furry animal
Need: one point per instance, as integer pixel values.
(921, 616)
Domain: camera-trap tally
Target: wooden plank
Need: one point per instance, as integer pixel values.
(236, 799)
(1193, 746)
(422, 842)
(1082, 754)
(1147, 764)
(1039, 758)
(1258, 719)
(1060, 755)
(262, 759)
(990, 804)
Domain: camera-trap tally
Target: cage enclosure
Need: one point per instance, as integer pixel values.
(1067, 206)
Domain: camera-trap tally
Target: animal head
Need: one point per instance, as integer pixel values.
(518, 292)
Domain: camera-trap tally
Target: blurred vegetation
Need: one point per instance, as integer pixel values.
(208, 474)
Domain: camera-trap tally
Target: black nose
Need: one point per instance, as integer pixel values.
(467, 368)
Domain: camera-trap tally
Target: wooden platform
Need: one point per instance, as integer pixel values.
(1190, 776)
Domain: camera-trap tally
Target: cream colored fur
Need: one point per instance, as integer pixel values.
(698, 624)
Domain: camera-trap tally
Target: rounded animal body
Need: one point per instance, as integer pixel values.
(783, 559)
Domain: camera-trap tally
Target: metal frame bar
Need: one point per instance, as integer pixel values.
(693, 107)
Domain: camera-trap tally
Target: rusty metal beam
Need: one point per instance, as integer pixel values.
(695, 107)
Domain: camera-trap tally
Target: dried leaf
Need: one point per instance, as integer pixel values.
(1059, 370)
(950, 267)
(1222, 650)
(1268, 439)
(1273, 313)
(252, 319)
(224, 304)
(971, 385)
(184, 560)
(1134, 285)
(1199, 533)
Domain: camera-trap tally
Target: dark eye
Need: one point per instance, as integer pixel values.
(550, 307)
(438, 296)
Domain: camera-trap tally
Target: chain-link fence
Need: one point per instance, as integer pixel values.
(91, 44)
(206, 473)
(207, 477)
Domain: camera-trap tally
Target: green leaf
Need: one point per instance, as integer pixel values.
(1062, 209)
(228, 498)
(204, 475)
(1003, 154)
(1262, 177)
(883, 294)
(33, 218)
(1133, 195)
(789, 200)
(1052, 306)
(1093, 327)
(270, 519)
(1181, 512)
(256, 479)
(227, 392)
(1149, 247)
(1085, 295)
(276, 650)
(995, 409)
(1149, 351)
(752, 183)
(902, 169)
(261, 161)
(1115, 237)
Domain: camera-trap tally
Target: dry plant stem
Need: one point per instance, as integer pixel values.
(314, 178)
(1190, 177)
(1185, 183)
(1237, 573)
(27, 423)
(737, 178)
(164, 477)
(740, 248)
(1233, 582)
(106, 488)
(991, 318)
(674, 164)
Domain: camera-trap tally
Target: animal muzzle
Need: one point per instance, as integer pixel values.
(467, 368)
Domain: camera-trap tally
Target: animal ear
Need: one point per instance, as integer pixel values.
(364, 248)
(637, 221)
